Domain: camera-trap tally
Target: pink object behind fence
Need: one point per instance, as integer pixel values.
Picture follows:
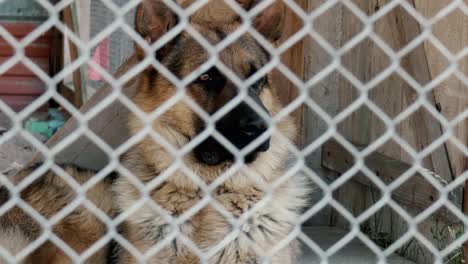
(101, 57)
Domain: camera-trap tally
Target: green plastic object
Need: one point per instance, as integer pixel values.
(46, 128)
(38, 127)
(55, 125)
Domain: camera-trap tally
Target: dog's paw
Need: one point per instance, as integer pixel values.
(175, 200)
(238, 203)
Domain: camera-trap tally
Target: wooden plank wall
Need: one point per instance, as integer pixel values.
(393, 95)
(294, 59)
(303, 59)
(451, 96)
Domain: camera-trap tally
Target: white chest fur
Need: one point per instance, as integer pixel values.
(247, 221)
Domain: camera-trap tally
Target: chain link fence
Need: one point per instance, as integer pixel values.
(314, 159)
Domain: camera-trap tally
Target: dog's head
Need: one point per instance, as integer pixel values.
(210, 89)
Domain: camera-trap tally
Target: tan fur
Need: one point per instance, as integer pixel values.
(49, 195)
(13, 240)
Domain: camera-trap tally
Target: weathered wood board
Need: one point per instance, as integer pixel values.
(109, 125)
(336, 158)
(294, 59)
(451, 95)
(386, 225)
(326, 92)
(393, 95)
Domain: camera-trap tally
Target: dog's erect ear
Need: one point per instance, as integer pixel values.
(270, 22)
(153, 19)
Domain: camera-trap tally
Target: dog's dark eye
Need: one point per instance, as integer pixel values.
(258, 85)
(204, 77)
(212, 79)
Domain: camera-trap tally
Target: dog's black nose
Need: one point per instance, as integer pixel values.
(253, 128)
(241, 126)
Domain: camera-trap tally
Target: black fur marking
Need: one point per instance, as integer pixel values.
(252, 69)
(258, 85)
(81, 169)
(4, 195)
(153, 73)
(174, 59)
(237, 256)
(115, 249)
(113, 176)
(215, 83)
(220, 34)
(249, 236)
(221, 256)
(271, 219)
(113, 252)
(160, 233)
(35, 166)
(199, 124)
(174, 244)
(265, 52)
(169, 56)
(265, 230)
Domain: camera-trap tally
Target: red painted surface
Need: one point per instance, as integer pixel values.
(39, 48)
(11, 85)
(18, 102)
(19, 86)
(21, 29)
(20, 69)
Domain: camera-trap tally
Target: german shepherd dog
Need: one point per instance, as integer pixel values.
(255, 211)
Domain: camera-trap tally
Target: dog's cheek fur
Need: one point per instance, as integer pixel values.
(180, 117)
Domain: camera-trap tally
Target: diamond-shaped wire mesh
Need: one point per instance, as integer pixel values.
(228, 131)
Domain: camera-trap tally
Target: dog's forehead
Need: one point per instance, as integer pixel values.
(188, 53)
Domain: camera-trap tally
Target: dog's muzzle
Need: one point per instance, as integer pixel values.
(211, 152)
(241, 127)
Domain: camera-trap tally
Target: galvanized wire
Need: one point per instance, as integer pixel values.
(308, 30)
